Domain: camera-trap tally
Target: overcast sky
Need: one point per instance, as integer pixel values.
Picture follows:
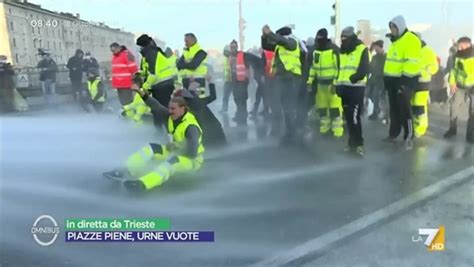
(215, 21)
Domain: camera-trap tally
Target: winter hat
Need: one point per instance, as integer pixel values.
(322, 34)
(144, 40)
(348, 31)
(379, 43)
(284, 31)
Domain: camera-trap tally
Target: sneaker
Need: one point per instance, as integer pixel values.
(408, 144)
(134, 186)
(360, 151)
(116, 174)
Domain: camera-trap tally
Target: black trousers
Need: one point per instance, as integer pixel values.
(98, 106)
(77, 89)
(163, 92)
(353, 104)
(284, 99)
(125, 96)
(241, 95)
(401, 115)
(227, 93)
(261, 96)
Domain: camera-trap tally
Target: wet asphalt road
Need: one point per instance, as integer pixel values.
(261, 199)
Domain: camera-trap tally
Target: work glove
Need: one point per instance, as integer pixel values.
(353, 78)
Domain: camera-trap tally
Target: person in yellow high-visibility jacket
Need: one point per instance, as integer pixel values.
(402, 71)
(461, 82)
(155, 163)
(419, 102)
(96, 90)
(136, 110)
(287, 70)
(350, 86)
(323, 72)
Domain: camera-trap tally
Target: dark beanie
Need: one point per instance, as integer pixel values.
(379, 43)
(464, 39)
(322, 34)
(284, 31)
(144, 40)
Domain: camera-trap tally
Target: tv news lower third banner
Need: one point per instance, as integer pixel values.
(130, 230)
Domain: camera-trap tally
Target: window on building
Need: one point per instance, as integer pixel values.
(17, 58)
(11, 26)
(14, 42)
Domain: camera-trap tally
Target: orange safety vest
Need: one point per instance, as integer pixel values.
(241, 70)
(268, 62)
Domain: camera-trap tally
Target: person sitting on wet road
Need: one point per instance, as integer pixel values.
(155, 163)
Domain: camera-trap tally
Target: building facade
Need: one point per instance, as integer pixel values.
(26, 27)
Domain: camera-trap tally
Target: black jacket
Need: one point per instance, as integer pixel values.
(49, 69)
(75, 66)
(376, 67)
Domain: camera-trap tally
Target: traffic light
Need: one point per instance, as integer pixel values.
(333, 17)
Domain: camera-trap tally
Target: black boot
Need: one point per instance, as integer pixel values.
(453, 129)
(470, 130)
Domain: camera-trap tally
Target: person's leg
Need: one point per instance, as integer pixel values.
(98, 106)
(225, 98)
(52, 88)
(358, 111)
(288, 101)
(240, 97)
(323, 102)
(125, 96)
(168, 168)
(74, 89)
(470, 120)
(276, 107)
(45, 92)
(163, 94)
(456, 106)
(137, 163)
(394, 102)
(335, 113)
(258, 98)
(348, 110)
(420, 112)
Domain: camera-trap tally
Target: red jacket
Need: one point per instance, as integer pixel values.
(123, 69)
(268, 62)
